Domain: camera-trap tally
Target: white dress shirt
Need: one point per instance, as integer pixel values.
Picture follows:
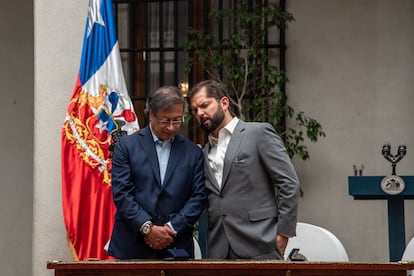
(218, 148)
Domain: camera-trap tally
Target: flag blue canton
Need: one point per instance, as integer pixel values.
(98, 40)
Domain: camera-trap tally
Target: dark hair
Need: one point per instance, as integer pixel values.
(213, 89)
(164, 99)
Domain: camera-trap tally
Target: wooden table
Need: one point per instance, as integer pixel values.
(226, 268)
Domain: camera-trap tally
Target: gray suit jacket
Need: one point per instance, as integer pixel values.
(245, 213)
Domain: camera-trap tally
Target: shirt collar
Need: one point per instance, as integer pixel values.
(229, 128)
(232, 125)
(158, 140)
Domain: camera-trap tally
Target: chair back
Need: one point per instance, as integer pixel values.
(197, 250)
(408, 254)
(317, 244)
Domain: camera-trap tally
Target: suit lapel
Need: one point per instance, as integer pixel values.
(147, 143)
(232, 149)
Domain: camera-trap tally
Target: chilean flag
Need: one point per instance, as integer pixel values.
(99, 112)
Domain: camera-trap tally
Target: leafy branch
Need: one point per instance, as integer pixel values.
(238, 57)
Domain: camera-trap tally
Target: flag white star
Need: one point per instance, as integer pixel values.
(102, 126)
(94, 14)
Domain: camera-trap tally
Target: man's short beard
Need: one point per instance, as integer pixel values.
(215, 121)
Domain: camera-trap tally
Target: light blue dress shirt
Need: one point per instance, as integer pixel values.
(163, 152)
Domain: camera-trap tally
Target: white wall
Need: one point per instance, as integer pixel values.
(16, 136)
(59, 26)
(351, 65)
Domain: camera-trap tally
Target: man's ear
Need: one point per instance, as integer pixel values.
(225, 102)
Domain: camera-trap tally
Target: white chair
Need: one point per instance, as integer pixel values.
(197, 250)
(408, 254)
(316, 244)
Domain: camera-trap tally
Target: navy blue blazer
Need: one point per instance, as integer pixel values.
(139, 196)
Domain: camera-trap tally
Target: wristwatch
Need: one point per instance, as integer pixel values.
(146, 228)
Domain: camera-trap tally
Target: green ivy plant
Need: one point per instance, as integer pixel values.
(238, 58)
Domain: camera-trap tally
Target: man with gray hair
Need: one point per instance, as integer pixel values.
(157, 184)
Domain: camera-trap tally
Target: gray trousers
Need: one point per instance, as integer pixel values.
(274, 255)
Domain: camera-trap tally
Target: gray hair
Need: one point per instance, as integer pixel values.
(164, 99)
